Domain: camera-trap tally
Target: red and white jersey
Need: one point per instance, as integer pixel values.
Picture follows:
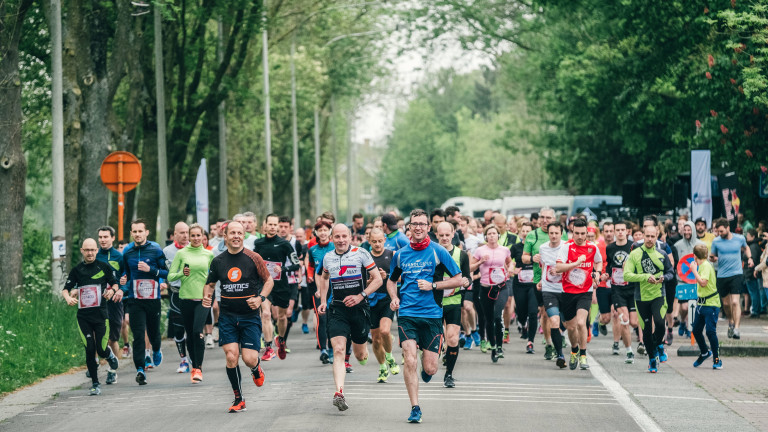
(579, 280)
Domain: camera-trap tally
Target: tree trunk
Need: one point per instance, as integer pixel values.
(13, 166)
(146, 207)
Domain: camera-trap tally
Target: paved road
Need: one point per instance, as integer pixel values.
(521, 392)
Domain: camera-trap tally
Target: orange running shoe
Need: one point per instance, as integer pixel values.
(269, 354)
(237, 406)
(196, 376)
(259, 381)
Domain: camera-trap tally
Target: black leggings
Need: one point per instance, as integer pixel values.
(651, 315)
(95, 336)
(477, 300)
(145, 317)
(493, 310)
(321, 321)
(527, 307)
(194, 315)
(176, 323)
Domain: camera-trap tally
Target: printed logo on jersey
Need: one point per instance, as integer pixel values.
(649, 266)
(619, 258)
(343, 269)
(234, 274)
(100, 274)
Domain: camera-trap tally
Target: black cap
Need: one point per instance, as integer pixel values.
(390, 221)
(701, 219)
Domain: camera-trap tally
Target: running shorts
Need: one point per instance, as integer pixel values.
(624, 298)
(280, 298)
(294, 288)
(670, 288)
(381, 310)
(552, 302)
(350, 322)
(573, 302)
(604, 300)
(730, 285)
(427, 332)
(242, 329)
(115, 313)
(452, 314)
(539, 297)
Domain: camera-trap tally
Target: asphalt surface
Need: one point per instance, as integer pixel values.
(520, 392)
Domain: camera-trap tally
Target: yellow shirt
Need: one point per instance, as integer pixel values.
(707, 239)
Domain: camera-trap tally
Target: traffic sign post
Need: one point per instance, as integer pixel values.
(121, 173)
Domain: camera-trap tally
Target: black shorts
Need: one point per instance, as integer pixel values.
(539, 297)
(671, 290)
(573, 302)
(467, 296)
(115, 313)
(352, 323)
(294, 288)
(604, 300)
(280, 297)
(427, 332)
(242, 329)
(381, 310)
(624, 298)
(306, 297)
(452, 314)
(552, 302)
(730, 285)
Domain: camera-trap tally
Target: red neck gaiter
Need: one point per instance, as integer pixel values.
(420, 245)
(178, 246)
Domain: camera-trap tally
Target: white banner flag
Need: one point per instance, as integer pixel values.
(201, 195)
(701, 186)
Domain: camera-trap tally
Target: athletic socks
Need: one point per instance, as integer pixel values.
(389, 357)
(234, 379)
(583, 352)
(254, 370)
(557, 340)
(267, 344)
(451, 355)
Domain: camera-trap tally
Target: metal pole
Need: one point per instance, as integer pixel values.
(267, 131)
(58, 262)
(318, 205)
(296, 208)
(223, 193)
(162, 164)
(334, 178)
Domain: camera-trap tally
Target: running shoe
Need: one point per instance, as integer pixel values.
(529, 348)
(549, 352)
(589, 337)
(183, 366)
(415, 416)
(560, 362)
(269, 354)
(615, 348)
(196, 376)
(348, 367)
(701, 358)
(363, 361)
(718, 364)
(111, 377)
(583, 363)
(258, 380)
(687, 334)
(661, 353)
(652, 365)
(468, 343)
(394, 369)
(630, 358)
(148, 362)
(305, 328)
(506, 336)
(280, 342)
(462, 340)
(157, 358)
(681, 330)
(641, 348)
(524, 333)
(484, 346)
(112, 361)
(324, 357)
(730, 330)
(603, 329)
(141, 377)
(595, 329)
(87, 374)
(425, 376)
(499, 353)
(237, 406)
(339, 401)
(383, 374)
(330, 356)
(95, 390)
(670, 337)
(736, 334)
(476, 338)
(126, 352)
(209, 341)
(574, 361)
(448, 382)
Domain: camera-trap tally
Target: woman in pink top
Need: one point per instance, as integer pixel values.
(494, 262)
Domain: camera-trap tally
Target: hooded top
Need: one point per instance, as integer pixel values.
(685, 247)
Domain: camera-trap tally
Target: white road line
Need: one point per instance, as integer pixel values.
(451, 395)
(677, 397)
(590, 403)
(486, 383)
(640, 417)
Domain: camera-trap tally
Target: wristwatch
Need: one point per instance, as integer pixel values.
(364, 294)
(262, 298)
(434, 285)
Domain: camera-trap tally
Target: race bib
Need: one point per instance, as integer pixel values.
(274, 269)
(577, 276)
(554, 278)
(525, 276)
(292, 278)
(617, 276)
(497, 275)
(146, 289)
(89, 296)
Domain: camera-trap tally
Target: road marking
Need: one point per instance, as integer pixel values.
(677, 397)
(640, 417)
(490, 400)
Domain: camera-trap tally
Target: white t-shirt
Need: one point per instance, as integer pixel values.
(548, 259)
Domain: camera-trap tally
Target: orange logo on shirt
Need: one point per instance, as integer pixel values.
(234, 274)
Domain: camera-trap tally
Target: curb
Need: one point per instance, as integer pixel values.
(727, 351)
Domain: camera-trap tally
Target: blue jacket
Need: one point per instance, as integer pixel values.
(151, 253)
(114, 258)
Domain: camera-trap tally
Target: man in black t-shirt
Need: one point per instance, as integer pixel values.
(245, 283)
(381, 313)
(622, 292)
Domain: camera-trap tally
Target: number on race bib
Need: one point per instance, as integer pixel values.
(89, 296)
(146, 289)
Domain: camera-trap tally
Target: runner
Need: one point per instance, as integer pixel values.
(115, 312)
(726, 252)
(314, 259)
(527, 297)
(94, 280)
(471, 318)
(494, 262)
(685, 246)
(708, 308)
(551, 286)
(245, 283)
(381, 312)
(396, 240)
(276, 252)
(649, 267)
(506, 239)
(452, 301)
(345, 271)
(190, 267)
(580, 263)
(285, 231)
(175, 320)
(304, 294)
(144, 265)
(419, 322)
(622, 292)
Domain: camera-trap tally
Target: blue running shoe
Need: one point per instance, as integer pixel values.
(305, 328)
(595, 329)
(652, 365)
(415, 416)
(157, 357)
(141, 377)
(468, 343)
(662, 353)
(701, 358)
(718, 364)
(476, 338)
(681, 330)
(426, 378)
(148, 363)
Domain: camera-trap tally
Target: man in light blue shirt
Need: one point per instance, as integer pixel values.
(726, 252)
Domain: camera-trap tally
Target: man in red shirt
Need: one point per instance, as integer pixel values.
(580, 262)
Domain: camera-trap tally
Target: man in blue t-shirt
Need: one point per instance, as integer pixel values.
(395, 240)
(726, 252)
(420, 321)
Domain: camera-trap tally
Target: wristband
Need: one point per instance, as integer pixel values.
(262, 298)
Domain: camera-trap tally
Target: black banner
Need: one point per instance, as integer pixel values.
(729, 186)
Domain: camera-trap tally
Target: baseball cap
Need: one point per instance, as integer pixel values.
(701, 219)
(389, 220)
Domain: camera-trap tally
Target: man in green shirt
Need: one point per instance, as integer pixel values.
(708, 308)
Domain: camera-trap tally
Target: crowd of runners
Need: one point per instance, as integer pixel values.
(451, 282)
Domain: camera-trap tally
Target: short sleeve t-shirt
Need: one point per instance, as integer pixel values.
(728, 253)
(383, 262)
(579, 279)
(706, 271)
(547, 260)
(348, 271)
(494, 270)
(242, 276)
